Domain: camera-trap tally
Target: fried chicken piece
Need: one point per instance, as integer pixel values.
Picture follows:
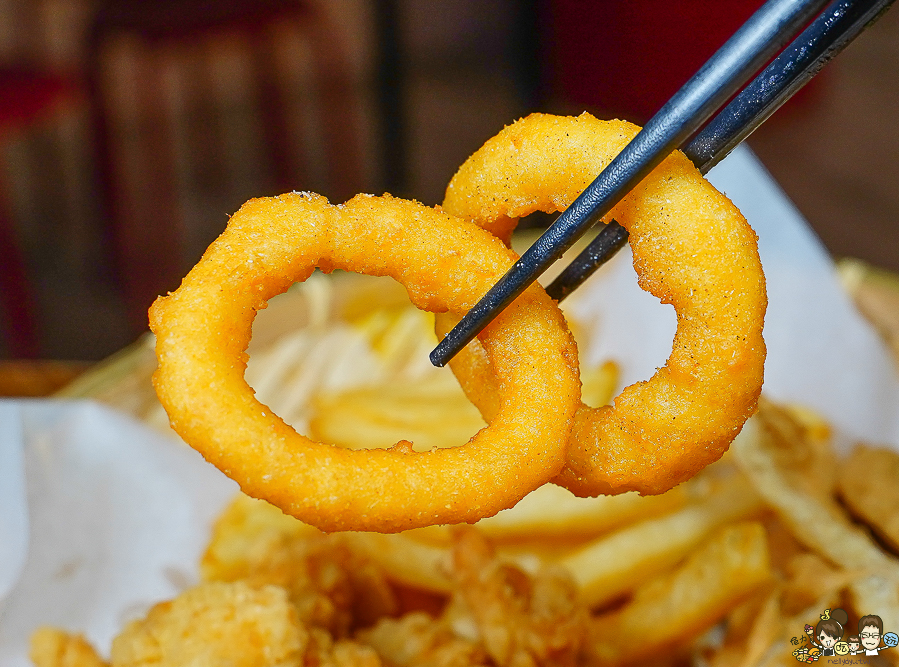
(418, 640)
(51, 647)
(246, 532)
(331, 586)
(522, 620)
(232, 624)
(216, 624)
(324, 651)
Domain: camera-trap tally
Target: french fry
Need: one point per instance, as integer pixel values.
(764, 629)
(869, 485)
(287, 374)
(399, 334)
(618, 563)
(552, 513)
(770, 629)
(676, 607)
(362, 295)
(801, 449)
(810, 577)
(599, 383)
(407, 561)
(248, 529)
(51, 647)
(429, 412)
(821, 525)
(350, 343)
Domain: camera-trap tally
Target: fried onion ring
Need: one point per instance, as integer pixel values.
(204, 327)
(692, 249)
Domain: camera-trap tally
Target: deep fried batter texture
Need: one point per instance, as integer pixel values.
(51, 647)
(331, 586)
(445, 264)
(522, 620)
(692, 249)
(215, 623)
(418, 640)
(231, 624)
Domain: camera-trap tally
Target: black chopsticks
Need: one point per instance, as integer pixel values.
(760, 38)
(829, 34)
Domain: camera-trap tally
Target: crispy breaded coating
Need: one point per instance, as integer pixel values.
(522, 620)
(691, 248)
(330, 586)
(324, 651)
(446, 264)
(51, 647)
(246, 532)
(232, 624)
(418, 640)
(216, 624)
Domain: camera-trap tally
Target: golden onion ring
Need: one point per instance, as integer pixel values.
(445, 264)
(692, 249)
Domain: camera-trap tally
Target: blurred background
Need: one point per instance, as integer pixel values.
(130, 130)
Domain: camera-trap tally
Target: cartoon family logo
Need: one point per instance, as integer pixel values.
(829, 638)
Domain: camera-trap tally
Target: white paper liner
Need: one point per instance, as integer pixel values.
(118, 516)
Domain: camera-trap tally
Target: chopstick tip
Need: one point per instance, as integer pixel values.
(439, 355)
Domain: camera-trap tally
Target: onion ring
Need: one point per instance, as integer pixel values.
(204, 327)
(692, 249)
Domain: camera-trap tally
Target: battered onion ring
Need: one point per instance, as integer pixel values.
(692, 249)
(204, 327)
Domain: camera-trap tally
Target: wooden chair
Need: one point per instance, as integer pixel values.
(27, 97)
(145, 216)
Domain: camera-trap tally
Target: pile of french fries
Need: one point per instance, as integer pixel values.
(725, 570)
